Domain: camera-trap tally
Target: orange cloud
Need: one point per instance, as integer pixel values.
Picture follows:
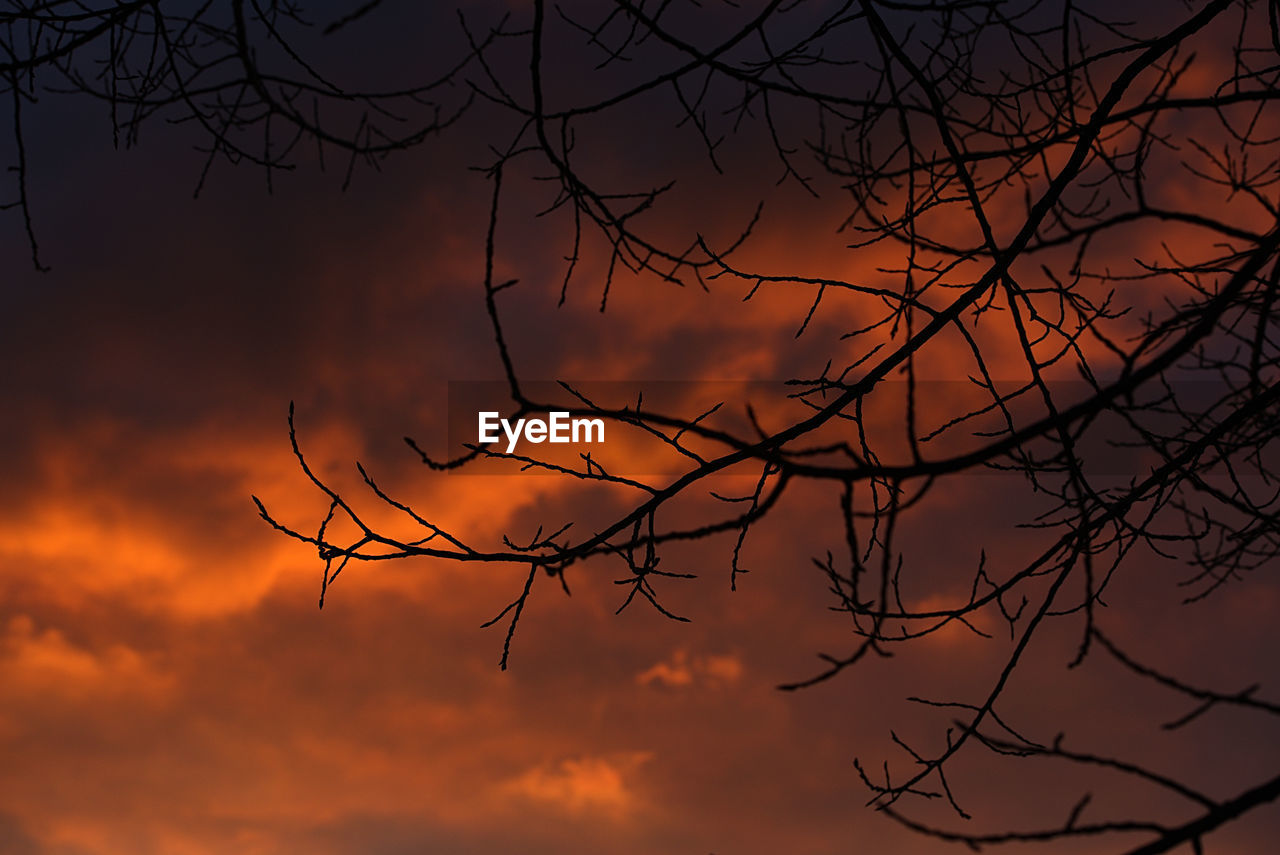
(683, 671)
(584, 784)
(44, 664)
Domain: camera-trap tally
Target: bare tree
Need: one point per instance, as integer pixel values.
(1015, 158)
(234, 70)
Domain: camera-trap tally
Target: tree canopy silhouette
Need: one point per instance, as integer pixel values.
(1077, 212)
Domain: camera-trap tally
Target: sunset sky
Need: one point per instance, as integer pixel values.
(168, 685)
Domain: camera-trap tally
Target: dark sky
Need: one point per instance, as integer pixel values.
(167, 684)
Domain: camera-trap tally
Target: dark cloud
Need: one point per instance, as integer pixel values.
(14, 838)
